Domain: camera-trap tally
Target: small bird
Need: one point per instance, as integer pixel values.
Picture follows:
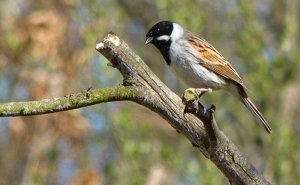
(199, 64)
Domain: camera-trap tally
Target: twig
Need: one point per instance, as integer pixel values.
(192, 105)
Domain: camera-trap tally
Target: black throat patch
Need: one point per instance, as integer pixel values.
(164, 48)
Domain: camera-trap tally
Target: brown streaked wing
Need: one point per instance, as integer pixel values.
(213, 60)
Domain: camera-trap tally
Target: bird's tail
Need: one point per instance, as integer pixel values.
(255, 112)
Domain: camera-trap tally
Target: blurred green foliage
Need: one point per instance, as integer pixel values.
(47, 50)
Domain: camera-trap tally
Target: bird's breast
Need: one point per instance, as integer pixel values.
(186, 65)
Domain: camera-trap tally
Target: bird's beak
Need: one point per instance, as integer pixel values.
(148, 40)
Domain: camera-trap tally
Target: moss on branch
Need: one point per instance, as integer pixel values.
(67, 102)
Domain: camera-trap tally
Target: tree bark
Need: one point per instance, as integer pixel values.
(142, 86)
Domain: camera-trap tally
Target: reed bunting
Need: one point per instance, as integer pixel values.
(199, 64)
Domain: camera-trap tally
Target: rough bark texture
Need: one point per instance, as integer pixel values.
(142, 86)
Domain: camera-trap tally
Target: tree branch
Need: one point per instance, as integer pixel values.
(68, 102)
(142, 86)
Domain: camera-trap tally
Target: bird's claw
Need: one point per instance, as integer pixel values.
(201, 91)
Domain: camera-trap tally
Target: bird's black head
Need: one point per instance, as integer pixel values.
(160, 36)
(160, 32)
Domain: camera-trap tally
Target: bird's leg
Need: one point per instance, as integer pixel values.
(191, 98)
(200, 91)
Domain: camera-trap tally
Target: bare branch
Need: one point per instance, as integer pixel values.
(68, 102)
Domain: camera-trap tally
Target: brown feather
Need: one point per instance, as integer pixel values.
(211, 59)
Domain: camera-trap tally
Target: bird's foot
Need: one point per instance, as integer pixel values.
(199, 91)
(190, 99)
